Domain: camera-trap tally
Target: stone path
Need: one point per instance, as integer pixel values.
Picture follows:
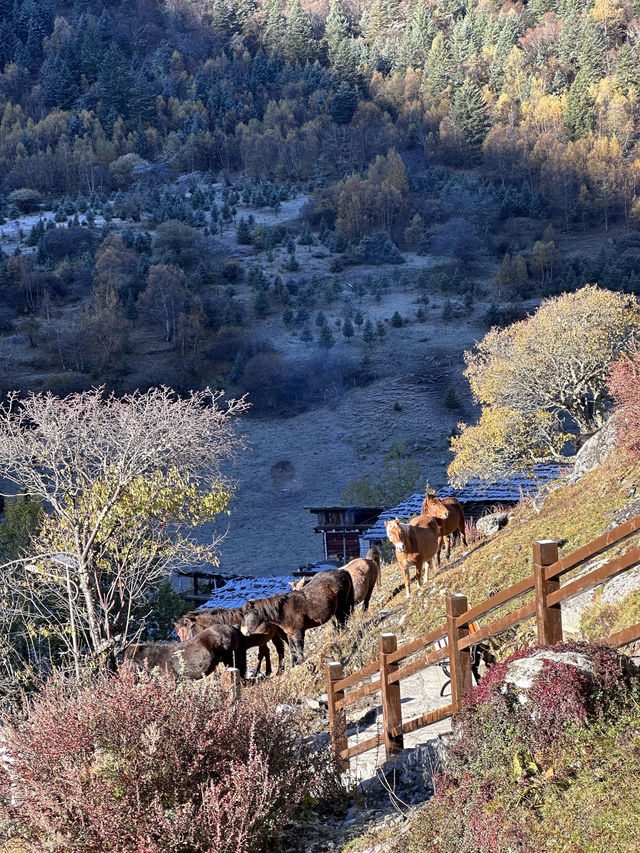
(420, 693)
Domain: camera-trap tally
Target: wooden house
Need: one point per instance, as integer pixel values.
(341, 528)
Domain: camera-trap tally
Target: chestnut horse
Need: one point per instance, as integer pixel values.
(365, 573)
(414, 546)
(195, 621)
(447, 524)
(196, 657)
(329, 595)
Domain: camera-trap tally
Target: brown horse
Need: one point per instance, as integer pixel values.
(448, 524)
(329, 595)
(414, 546)
(196, 657)
(365, 573)
(195, 621)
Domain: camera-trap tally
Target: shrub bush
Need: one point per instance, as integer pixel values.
(511, 759)
(131, 763)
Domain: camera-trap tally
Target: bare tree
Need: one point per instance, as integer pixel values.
(122, 480)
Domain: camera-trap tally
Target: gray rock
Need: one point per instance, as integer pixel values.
(595, 450)
(521, 673)
(312, 703)
(544, 492)
(490, 524)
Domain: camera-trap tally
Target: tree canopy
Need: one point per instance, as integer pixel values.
(122, 480)
(542, 381)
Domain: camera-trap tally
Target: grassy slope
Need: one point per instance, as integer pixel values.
(576, 512)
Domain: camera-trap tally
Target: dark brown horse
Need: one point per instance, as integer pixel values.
(414, 546)
(365, 573)
(195, 621)
(448, 524)
(328, 596)
(196, 657)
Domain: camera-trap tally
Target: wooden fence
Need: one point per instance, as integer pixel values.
(391, 667)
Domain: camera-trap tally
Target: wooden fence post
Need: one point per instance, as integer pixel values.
(391, 702)
(459, 661)
(233, 682)
(337, 718)
(549, 619)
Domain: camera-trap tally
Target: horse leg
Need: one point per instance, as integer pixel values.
(297, 645)
(462, 532)
(279, 647)
(263, 654)
(440, 544)
(366, 599)
(419, 572)
(406, 571)
(449, 538)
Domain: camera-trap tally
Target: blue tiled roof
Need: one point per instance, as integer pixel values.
(239, 589)
(510, 489)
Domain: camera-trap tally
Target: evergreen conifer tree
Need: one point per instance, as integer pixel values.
(579, 117)
(470, 117)
(336, 29)
(299, 45)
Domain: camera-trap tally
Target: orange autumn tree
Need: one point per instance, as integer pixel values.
(543, 381)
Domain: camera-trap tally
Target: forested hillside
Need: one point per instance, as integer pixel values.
(544, 93)
(397, 127)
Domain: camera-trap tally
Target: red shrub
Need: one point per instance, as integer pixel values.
(132, 764)
(624, 386)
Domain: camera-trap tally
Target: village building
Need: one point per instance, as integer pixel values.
(478, 497)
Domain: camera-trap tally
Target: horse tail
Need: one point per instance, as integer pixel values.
(374, 555)
(347, 601)
(462, 527)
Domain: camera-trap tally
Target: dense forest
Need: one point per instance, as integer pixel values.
(411, 127)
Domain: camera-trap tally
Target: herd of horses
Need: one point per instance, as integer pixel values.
(211, 636)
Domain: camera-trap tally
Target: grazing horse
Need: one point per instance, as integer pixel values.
(329, 595)
(414, 546)
(196, 657)
(448, 524)
(195, 621)
(365, 573)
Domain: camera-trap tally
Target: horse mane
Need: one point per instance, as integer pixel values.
(269, 609)
(220, 615)
(374, 554)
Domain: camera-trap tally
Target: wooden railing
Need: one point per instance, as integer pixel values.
(390, 666)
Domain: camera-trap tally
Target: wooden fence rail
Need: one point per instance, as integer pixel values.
(548, 592)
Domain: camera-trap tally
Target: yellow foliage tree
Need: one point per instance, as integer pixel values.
(542, 380)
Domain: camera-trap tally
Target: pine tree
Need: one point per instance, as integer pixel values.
(418, 37)
(470, 117)
(274, 30)
(299, 45)
(508, 37)
(627, 73)
(343, 104)
(369, 333)
(336, 29)
(347, 329)
(579, 117)
(325, 338)
(243, 232)
(437, 72)
(463, 46)
(593, 49)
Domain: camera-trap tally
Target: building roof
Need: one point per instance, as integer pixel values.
(240, 588)
(510, 490)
